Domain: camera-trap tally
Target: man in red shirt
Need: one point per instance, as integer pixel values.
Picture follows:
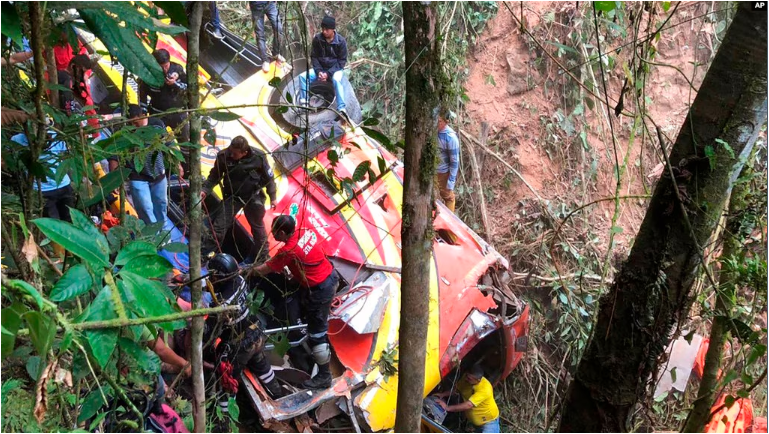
(302, 253)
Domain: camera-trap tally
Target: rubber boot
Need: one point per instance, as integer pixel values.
(321, 380)
(273, 387)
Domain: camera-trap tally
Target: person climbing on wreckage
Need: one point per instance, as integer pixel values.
(242, 340)
(303, 254)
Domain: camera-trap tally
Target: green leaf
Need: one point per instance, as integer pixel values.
(289, 98)
(729, 401)
(148, 266)
(665, 6)
(360, 172)
(11, 321)
(146, 359)
(616, 230)
(222, 115)
(11, 24)
(102, 344)
(232, 407)
(122, 42)
(333, 157)
(134, 250)
(564, 47)
(673, 375)
(176, 247)
(97, 420)
(378, 136)
(274, 82)
(382, 164)
(93, 402)
(371, 122)
(726, 146)
(74, 282)
(82, 222)
(174, 10)
(42, 329)
(152, 298)
(75, 240)
(33, 367)
(710, 153)
(563, 298)
(28, 289)
(605, 6)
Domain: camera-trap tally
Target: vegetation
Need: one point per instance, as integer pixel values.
(70, 330)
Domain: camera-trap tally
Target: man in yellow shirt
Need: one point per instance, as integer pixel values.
(479, 405)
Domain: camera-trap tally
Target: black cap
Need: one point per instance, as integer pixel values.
(328, 23)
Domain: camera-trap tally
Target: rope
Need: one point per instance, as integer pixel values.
(229, 384)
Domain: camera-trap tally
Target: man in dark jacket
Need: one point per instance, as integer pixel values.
(170, 96)
(329, 57)
(244, 173)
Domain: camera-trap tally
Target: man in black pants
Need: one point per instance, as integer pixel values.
(172, 95)
(303, 254)
(244, 173)
(242, 343)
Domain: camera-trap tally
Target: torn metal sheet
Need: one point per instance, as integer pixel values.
(295, 404)
(326, 411)
(364, 308)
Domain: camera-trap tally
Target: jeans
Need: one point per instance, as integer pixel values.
(214, 15)
(258, 11)
(492, 426)
(225, 216)
(57, 203)
(338, 86)
(150, 199)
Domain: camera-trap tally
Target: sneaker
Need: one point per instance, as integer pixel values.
(303, 102)
(218, 34)
(266, 66)
(280, 59)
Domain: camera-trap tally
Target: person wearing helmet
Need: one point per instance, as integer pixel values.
(302, 253)
(242, 340)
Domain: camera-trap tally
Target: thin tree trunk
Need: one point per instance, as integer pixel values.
(651, 293)
(193, 53)
(719, 333)
(53, 76)
(417, 229)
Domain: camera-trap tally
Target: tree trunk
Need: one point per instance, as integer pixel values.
(196, 221)
(651, 293)
(719, 332)
(417, 229)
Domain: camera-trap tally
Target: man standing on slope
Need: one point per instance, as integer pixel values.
(448, 165)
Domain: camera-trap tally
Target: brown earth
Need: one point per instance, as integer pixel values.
(508, 91)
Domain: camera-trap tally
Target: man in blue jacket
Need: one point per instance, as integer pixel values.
(329, 57)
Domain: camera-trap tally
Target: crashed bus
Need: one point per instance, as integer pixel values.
(475, 318)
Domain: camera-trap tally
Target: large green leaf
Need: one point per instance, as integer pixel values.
(152, 298)
(102, 342)
(42, 329)
(123, 43)
(93, 402)
(11, 24)
(74, 282)
(77, 241)
(175, 10)
(148, 266)
(360, 172)
(222, 115)
(28, 289)
(82, 222)
(134, 250)
(109, 183)
(605, 6)
(11, 320)
(146, 359)
(125, 12)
